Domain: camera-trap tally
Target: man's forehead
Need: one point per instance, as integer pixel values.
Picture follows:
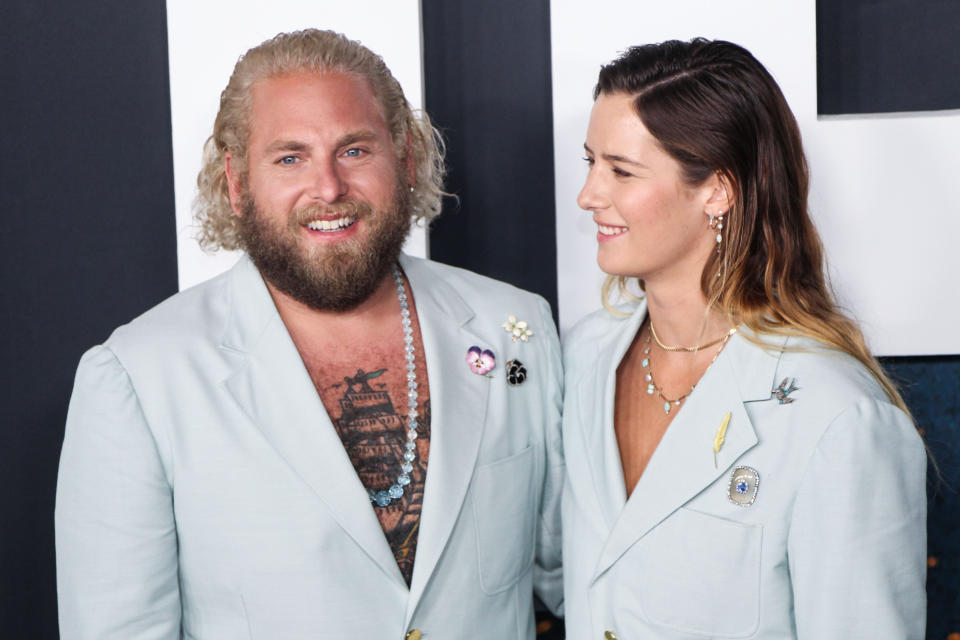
(351, 92)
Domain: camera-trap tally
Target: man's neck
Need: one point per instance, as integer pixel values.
(313, 329)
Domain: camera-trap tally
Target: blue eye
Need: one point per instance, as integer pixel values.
(589, 161)
(288, 160)
(353, 153)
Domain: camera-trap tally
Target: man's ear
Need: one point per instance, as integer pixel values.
(411, 162)
(234, 183)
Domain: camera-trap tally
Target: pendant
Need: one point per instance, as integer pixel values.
(666, 407)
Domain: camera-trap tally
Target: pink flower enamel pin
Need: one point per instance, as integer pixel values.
(481, 361)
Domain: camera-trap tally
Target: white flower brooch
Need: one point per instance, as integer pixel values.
(517, 329)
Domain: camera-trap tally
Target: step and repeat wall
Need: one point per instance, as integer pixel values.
(107, 105)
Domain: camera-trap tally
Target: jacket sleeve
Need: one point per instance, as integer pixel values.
(548, 577)
(116, 541)
(857, 542)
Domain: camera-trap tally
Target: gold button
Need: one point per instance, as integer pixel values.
(413, 634)
(609, 635)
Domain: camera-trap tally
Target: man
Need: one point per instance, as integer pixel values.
(332, 439)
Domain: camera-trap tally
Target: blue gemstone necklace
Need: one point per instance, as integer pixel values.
(384, 497)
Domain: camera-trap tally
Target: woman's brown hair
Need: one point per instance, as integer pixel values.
(716, 110)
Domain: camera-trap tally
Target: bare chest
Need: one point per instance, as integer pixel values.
(639, 424)
(378, 399)
(641, 415)
(373, 393)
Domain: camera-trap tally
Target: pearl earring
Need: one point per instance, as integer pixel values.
(717, 223)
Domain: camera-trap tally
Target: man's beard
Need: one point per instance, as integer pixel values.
(326, 278)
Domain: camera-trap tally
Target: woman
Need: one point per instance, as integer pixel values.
(739, 466)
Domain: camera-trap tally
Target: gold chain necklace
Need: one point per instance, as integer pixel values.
(689, 349)
(654, 389)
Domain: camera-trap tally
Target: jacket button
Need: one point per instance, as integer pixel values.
(609, 635)
(413, 634)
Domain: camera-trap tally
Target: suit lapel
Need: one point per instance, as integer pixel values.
(273, 388)
(458, 402)
(597, 389)
(682, 464)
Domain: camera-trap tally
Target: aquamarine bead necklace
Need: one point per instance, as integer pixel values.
(384, 497)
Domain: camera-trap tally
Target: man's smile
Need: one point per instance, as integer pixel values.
(337, 224)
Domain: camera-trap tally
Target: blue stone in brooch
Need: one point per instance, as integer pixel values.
(744, 483)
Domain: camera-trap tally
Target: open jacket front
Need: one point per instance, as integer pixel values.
(203, 485)
(832, 547)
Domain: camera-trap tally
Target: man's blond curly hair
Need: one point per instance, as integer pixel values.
(322, 52)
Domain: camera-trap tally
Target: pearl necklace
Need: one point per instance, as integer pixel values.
(384, 497)
(653, 388)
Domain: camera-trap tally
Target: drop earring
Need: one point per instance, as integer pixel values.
(717, 224)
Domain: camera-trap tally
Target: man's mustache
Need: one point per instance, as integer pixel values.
(350, 208)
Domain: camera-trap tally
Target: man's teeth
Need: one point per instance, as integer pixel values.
(331, 225)
(610, 231)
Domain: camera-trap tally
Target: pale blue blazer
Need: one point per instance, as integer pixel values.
(832, 548)
(204, 492)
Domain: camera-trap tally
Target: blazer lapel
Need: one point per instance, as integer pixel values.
(458, 404)
(597, 390)
(683, 464)
(274, 389)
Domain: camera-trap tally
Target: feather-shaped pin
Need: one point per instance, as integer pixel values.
(718, 439)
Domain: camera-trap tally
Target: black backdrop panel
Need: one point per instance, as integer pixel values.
(896, 55)
(488, 89)
(87, 241)
(929, 386)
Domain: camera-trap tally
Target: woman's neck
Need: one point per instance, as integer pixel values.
(681, 316)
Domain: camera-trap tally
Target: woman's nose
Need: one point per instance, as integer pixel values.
(589, 198)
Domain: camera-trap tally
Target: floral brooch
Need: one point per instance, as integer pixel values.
(480, 361)
(517, 329)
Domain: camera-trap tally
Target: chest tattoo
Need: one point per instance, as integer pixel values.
(372, 428)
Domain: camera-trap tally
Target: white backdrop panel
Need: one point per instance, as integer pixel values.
(205, 39)
(879, 183)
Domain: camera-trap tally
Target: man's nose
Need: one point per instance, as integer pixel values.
(327, 184)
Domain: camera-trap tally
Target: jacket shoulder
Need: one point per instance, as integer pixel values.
(580, 341)
(477, 287)
(835, 395)
(195, 313)
(831, 375)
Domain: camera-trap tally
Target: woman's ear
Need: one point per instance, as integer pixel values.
(720, 200)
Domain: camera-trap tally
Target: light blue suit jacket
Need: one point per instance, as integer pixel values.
(204, 492)
(833, 547)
